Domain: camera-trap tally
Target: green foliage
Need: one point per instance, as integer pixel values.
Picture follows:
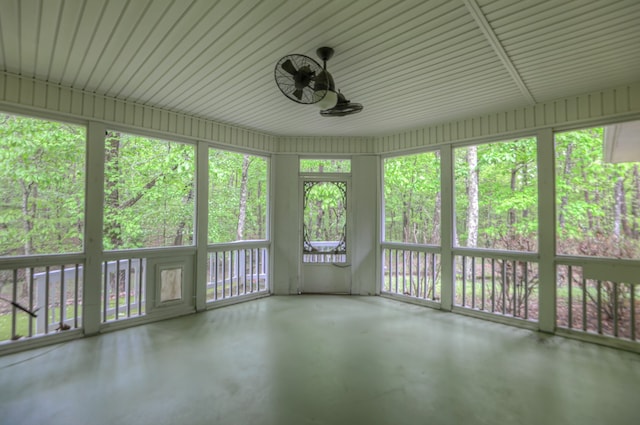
(412, 198)
(325, 210)
(597, 203)
(225, 192)
(42, 175)
(149, 192)
(325, 166)
(507, 195)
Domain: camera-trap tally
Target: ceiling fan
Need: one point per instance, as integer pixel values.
(305, 81)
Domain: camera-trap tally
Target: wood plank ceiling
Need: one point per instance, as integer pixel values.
(411, 63)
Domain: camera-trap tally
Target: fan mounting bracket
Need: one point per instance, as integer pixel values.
(325, 53)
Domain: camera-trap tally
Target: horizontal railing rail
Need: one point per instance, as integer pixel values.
(411, 247)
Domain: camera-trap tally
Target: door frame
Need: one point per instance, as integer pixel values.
(312, 274)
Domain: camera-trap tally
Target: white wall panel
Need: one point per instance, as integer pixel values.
(43, 96)
(599, 106)
(596, 107)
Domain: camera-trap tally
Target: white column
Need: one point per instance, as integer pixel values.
(202, 223)
(285, 202)
(365, 224)
(447, 212)
(546, 231)
(94, 202)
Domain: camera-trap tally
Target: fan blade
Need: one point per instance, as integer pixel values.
(298, 94)
(288, 66)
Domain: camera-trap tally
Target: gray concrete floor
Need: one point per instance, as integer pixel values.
(321, 360)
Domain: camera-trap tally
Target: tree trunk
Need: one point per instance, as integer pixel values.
(568, 165)
(512, 211)
(435, 230)
(472, 192)
(635, 205)
(242, 214)
(617, 207)
(473, 210)
(112, 228)
(28, 214)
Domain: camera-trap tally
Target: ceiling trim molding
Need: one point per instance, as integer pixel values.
(483, 24)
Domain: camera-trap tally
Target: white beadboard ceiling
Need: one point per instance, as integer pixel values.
(411, 63)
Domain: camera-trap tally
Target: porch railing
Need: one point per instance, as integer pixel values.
(497, 282)
(123, 288)
(48, 288)
(592, 305)
(411, 271)
(237, 269)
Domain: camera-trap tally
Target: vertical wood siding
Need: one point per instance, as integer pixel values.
(602, 105)
(31, 93)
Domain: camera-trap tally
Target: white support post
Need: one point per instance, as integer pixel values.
(202, 223)
(447, 212)
(94, 202)
(546, 231)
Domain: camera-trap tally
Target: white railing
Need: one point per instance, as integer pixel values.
(123, 288)
(40, 295)
(597, 303)
(323, 255)
(497, 282)
(237, 269)
(411, 270)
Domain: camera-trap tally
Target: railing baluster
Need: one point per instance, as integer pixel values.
(46, 301)
(128, 287)
(262, 261)
(224, 274)
(140, 288)
(244, 271)
(483, 277)
(504, 286)
(215, 279)
(237, 263)
(411, 273)
(615, 308)
(464, 279)
(493, 285)
(31, 307)
(396, 270)
(419, 273)
(251, 270)
(473, 282)
(514, 305)
(599, 306)
(63, 303)
(404, 272)
(433, 276)
(570, 294)
(75, 295)
(633, 312)
(584, 304)
(526, 291)
(14, 310)
(105, 293)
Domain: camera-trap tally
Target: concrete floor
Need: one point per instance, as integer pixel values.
(321, 360)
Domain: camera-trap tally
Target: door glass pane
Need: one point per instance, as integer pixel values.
(325, 165)
(325, 222)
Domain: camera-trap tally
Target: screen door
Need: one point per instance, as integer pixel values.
(325, 266)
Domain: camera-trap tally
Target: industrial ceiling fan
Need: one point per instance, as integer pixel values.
(303, 80)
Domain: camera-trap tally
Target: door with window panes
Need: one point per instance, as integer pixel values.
(324, 226)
